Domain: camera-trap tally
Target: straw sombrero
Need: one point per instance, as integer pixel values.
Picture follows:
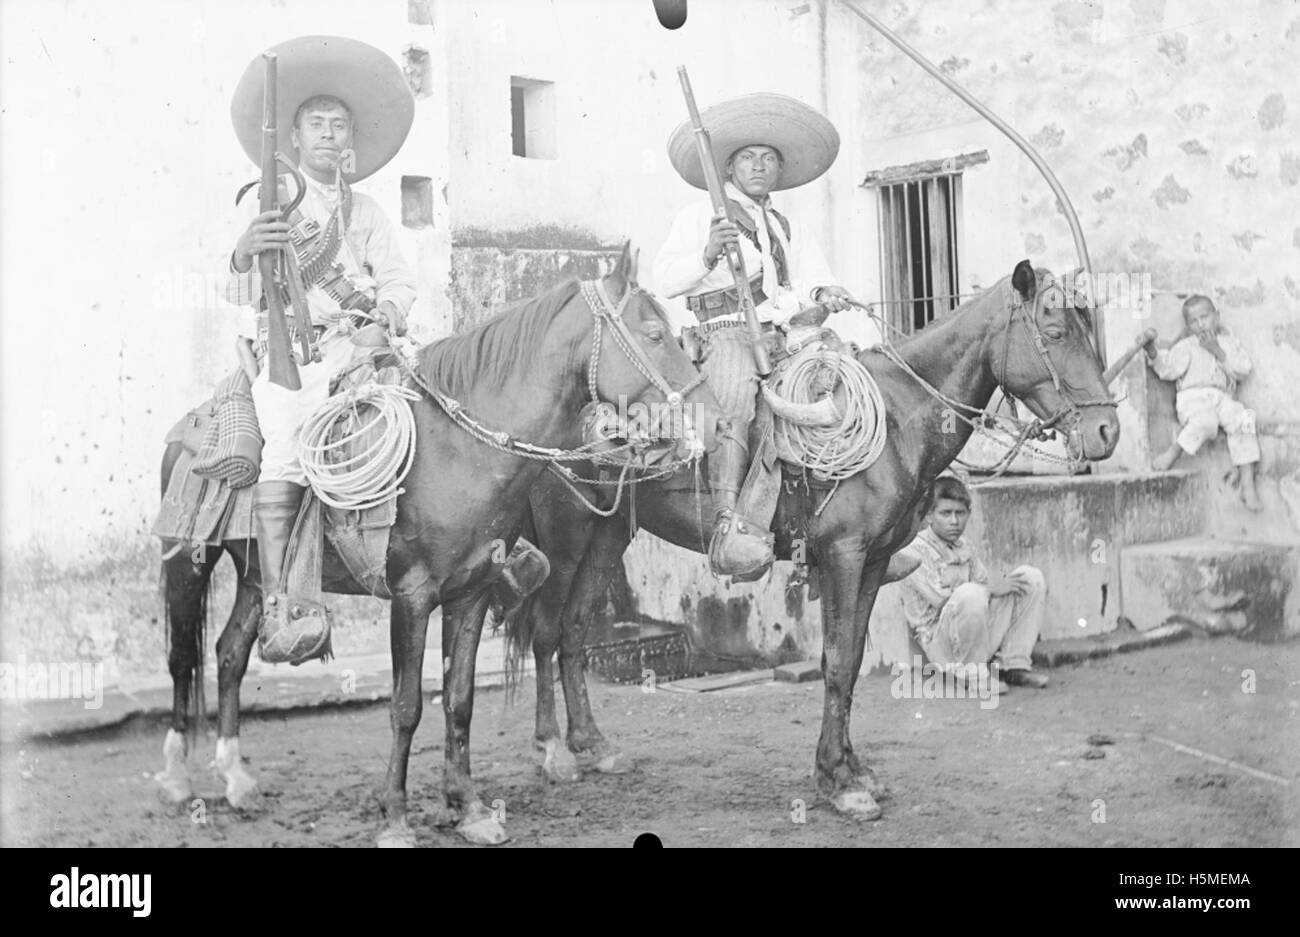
(807, 140)
(365, 79)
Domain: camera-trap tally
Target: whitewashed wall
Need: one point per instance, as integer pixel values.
(119, 174)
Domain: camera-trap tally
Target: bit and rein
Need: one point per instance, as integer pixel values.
(980, 418)
(604, 313)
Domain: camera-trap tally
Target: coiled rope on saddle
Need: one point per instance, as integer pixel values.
(359, 446)
(855, 441)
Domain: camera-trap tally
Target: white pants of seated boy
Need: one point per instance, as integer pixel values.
(974, 626)
(1203, 410)
(282, 412)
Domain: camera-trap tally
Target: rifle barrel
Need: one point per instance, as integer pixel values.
(281, 368)
(722, 209)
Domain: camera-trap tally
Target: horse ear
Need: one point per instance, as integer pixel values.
(1025, 280)
(624, 273)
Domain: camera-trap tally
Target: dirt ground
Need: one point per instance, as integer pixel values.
(728, 768)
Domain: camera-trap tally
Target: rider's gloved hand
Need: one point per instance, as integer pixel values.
(394, 318)
(834, 298)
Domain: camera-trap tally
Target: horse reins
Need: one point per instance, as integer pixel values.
(979, 418)
(604, 312)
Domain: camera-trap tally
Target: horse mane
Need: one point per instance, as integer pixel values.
(493, 350)
(951, 314)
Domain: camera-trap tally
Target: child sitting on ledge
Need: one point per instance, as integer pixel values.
(1207, 361)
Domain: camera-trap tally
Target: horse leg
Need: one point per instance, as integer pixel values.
(185, 606)
(408, 625)
(593, 751)
(843, 636)
(462, 625)
(233, 648)
(871, 582)
(558, 763)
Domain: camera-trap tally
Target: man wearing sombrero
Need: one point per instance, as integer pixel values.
(763, 143)
(344, 111)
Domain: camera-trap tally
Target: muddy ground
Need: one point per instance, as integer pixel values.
(728, 768)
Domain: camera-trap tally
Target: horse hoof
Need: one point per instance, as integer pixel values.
(482, 832)
(173, 789)
(241, 791)
(442, 815)
(558, 763)
(858, 804)
(396, 837)
(615, 763)
(867, 781)
(562, 768)
(480, 828)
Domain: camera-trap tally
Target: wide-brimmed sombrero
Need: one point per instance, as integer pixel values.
(807, 140)
(362, 77)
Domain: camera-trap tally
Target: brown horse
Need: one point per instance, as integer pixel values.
(1032, 341)
(528, 372)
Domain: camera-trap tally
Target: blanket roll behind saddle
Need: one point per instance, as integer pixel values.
(232, 447)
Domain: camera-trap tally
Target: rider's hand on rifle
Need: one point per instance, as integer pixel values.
(722, 234)
(390, 315)
(834, 298)
(265, 232)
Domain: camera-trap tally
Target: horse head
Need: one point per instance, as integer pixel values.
(1046, 358)
(648, 385)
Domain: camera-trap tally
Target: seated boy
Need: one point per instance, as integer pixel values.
(959, 617)
(1207, 361)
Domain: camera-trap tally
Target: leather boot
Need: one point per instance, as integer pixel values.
(523, 574)
(275, 509)
(292, 629)
(739, 548)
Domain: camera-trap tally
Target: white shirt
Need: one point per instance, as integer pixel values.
(679, 268)
(1191, 365)
(369, 254)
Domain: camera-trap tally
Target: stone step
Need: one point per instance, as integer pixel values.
(1242, 587)
(1073, 529)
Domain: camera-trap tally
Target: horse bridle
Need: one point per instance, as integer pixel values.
(1024, 311)
(605, 312)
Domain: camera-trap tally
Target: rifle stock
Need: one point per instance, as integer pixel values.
(281, 367)
(722, 209)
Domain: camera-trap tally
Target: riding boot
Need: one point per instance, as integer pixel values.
(739, 548)
(293, 629)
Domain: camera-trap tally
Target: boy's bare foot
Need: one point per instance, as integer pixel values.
(1249, 494)
(1165, 460)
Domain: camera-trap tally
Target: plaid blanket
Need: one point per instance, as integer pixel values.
(232, 449)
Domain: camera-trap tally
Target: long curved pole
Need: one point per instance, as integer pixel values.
(1080, 247)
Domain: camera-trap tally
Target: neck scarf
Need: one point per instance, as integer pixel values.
(773, 245)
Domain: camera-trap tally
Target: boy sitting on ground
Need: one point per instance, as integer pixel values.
(958, 616)
(1207, 361)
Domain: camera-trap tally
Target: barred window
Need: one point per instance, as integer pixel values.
(920, 231)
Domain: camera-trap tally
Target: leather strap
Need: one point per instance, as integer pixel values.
(724, 302)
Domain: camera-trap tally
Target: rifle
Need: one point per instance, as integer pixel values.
(282, 368)
(722, 209)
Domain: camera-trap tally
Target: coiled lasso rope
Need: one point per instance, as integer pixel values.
(832, 453)
(369, 476)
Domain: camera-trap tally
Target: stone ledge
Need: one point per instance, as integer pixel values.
(1058, 651)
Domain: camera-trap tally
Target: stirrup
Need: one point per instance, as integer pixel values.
(294, 630)
(740, 548)
(525, 570)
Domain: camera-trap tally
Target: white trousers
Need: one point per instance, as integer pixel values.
(973, 626)
(282, 412)
(1203, 410)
